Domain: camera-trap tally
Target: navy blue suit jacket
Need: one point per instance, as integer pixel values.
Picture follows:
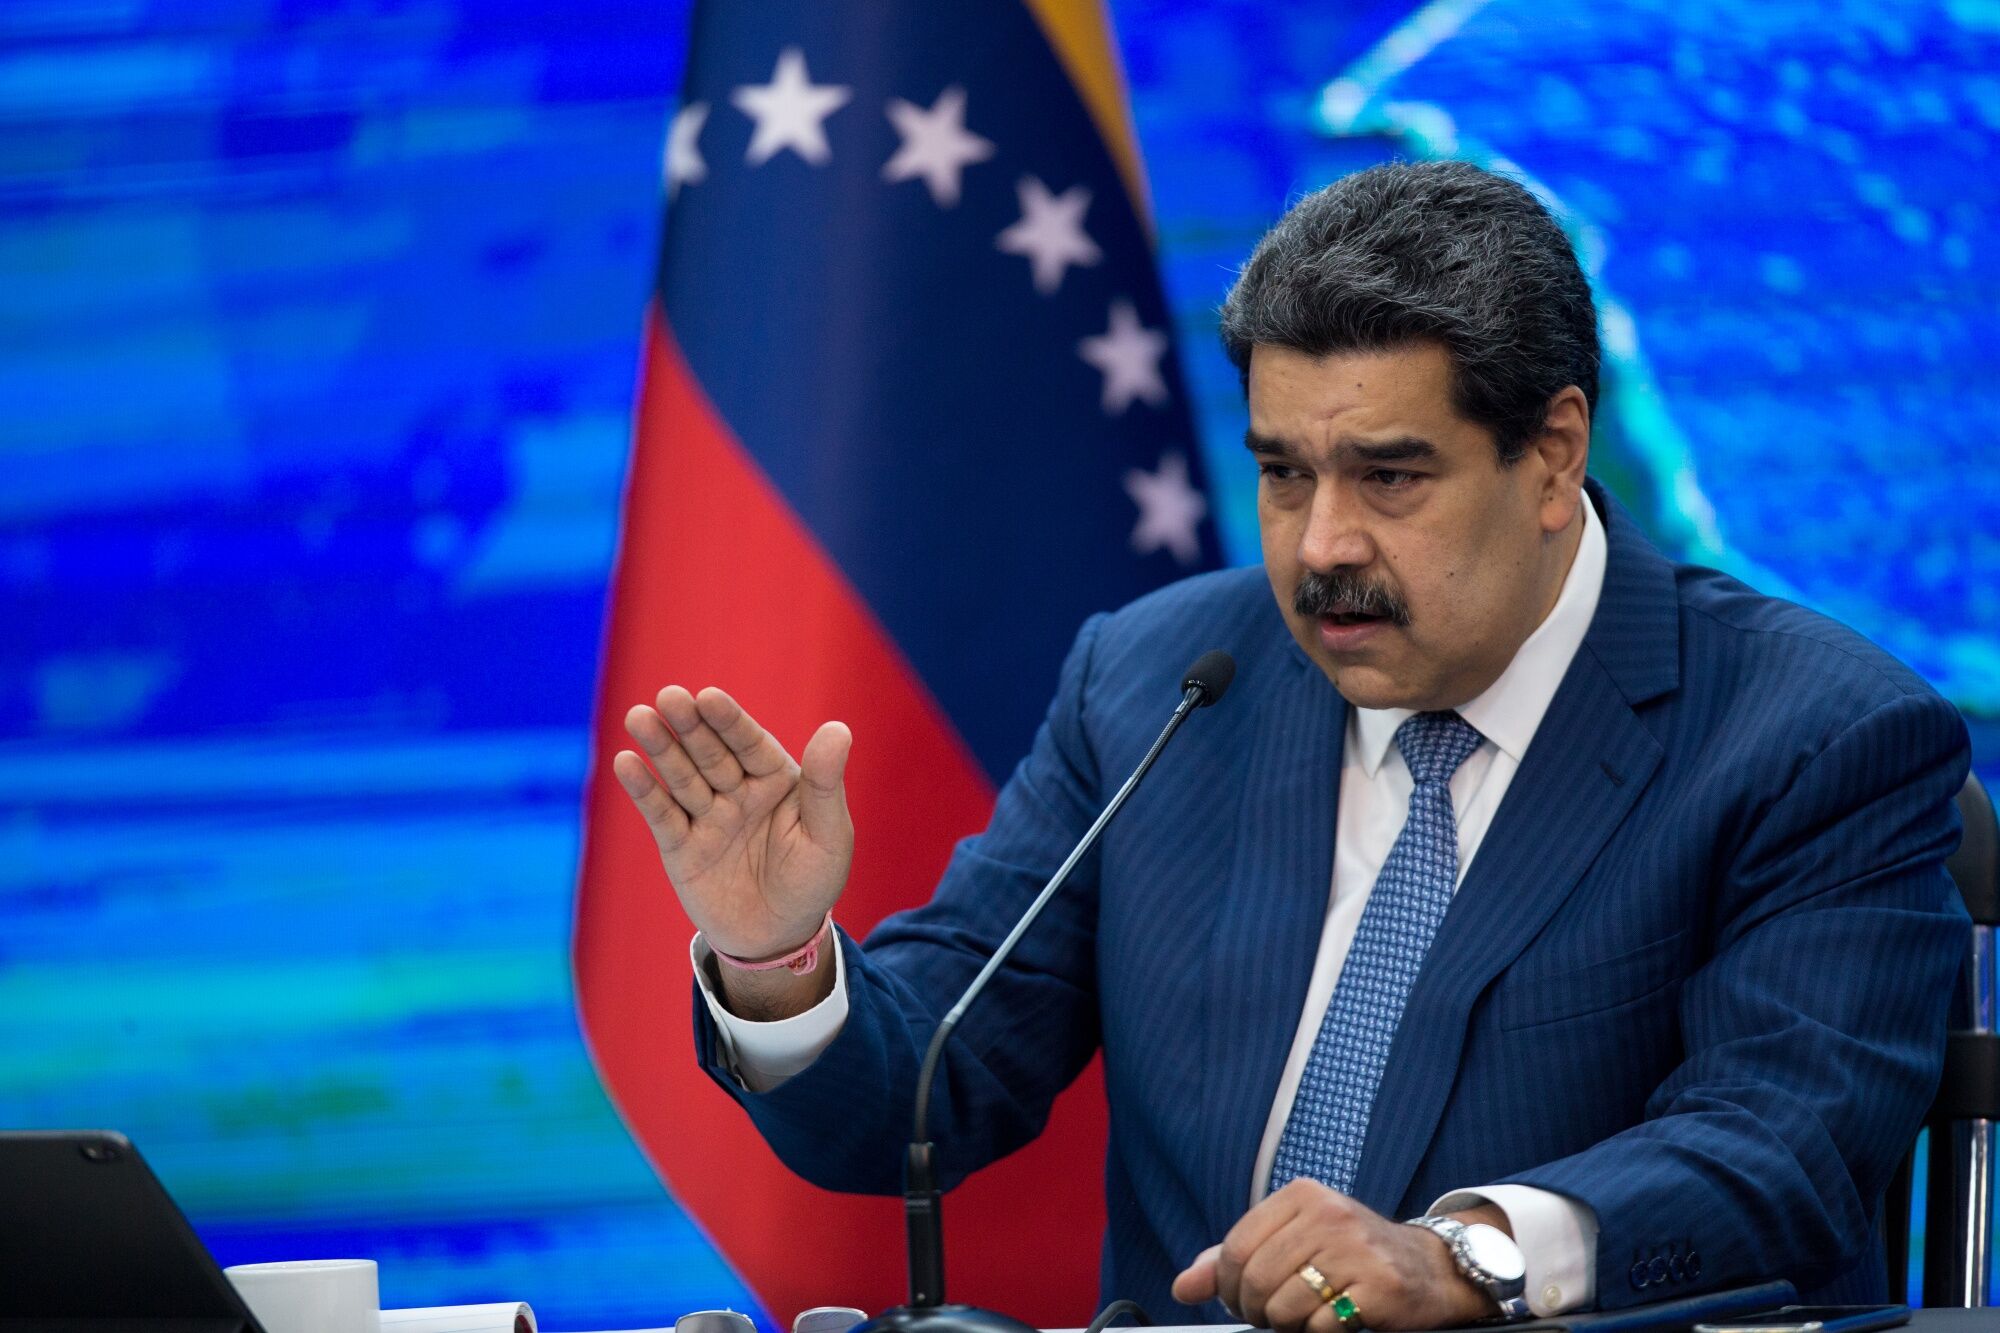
(1696, 976)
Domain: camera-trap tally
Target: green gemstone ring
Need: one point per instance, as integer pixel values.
(1347, 1313)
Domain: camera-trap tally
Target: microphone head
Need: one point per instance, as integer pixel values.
(1211, 674)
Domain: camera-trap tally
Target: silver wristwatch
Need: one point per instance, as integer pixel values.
(1488, 1258)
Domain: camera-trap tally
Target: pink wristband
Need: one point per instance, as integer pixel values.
(798, 962)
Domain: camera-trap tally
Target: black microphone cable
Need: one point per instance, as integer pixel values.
(1116, 1308)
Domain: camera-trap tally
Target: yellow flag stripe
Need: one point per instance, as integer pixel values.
(1079, 31)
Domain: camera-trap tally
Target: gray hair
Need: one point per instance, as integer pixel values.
(1441, 252)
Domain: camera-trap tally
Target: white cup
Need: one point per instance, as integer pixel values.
(311, 1295)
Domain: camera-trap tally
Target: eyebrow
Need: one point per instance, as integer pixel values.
(1402, 449)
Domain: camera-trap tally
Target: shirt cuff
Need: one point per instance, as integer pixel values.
(1558, 1240)
(763, 1055)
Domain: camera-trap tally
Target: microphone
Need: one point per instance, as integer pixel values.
(1211, 674)
(923, 1210)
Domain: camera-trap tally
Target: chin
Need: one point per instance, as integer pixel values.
(1362, 683)
(1364, 687)
(1374, 687)
(1372, 695)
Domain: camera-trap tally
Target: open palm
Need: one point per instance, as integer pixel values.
(756, 845)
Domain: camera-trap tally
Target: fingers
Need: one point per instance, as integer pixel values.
(1248, 1236)
(1272, 1293)
(755, 749)
(1285, 1300)
(715, 761)
(689, 789)
(661, 810)
(707, 746)
(822, 785)
(1196, 1282)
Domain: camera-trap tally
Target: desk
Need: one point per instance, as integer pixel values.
(1921, 1321)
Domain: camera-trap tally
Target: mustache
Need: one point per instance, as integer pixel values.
(1341, 592)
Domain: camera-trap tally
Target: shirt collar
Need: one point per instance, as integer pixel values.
(1511, 708)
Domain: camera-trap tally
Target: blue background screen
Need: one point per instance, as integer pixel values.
(321, 325)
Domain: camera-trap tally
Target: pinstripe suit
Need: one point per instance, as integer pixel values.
(1696, 977)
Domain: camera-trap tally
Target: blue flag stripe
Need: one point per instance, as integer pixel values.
(927, 410)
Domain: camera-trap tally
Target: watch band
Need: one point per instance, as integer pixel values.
(1508, 1294)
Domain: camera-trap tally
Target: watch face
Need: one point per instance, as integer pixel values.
(1490, 1249)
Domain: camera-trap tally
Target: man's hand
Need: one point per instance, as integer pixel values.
(756, 846)
(1398, 1276)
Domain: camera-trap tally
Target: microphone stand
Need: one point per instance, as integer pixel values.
(923, 1203)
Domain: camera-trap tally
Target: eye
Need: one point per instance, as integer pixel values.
(1391, 479)
(1278, 471)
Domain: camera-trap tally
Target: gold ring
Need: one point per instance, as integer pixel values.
(1315, 1279)
(1347, 1313)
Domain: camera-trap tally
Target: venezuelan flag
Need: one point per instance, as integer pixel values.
(909, 414)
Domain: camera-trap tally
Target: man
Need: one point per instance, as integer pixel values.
(1525, 880)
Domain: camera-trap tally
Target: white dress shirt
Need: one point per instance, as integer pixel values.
(1557, 1235)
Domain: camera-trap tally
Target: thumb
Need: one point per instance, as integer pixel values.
(822, 788)
(1197, 1283)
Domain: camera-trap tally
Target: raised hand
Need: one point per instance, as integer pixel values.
(757, 847)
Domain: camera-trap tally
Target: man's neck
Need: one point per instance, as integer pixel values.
(1563, 558)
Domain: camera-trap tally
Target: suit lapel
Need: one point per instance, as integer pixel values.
(1268, 927)
(1590, 760)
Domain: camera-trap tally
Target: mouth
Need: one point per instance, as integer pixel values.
(1350, 631)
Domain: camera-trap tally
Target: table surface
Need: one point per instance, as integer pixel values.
(1923, 1321)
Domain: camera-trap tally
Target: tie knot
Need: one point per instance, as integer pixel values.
(1435, 744)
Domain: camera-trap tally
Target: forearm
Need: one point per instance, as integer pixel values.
(1763, 1155)
(1030, 1035)
(989, 1099)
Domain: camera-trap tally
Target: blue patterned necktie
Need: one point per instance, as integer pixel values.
(1329, 1119)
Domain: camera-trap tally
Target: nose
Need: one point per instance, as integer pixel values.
(1335, 533)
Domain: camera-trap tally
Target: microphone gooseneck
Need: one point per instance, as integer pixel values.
(1205, 682)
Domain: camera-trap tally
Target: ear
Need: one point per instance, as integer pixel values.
(1564, 450)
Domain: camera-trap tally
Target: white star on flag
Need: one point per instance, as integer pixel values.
(684, 161)
(1129, 355)
(1170, 510)
(936, 145)
(790, 111)
(1050, 232)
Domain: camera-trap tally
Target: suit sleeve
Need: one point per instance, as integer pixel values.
(842, 1121)
(1814, 1035)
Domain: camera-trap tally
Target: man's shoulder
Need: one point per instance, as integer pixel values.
(1128, 660)
(1724, 617)
(1804, 674)
(1223, 597)
(1230, 609)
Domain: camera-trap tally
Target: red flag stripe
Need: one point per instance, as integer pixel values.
(717, 582)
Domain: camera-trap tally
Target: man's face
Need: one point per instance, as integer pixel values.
(1410, 565)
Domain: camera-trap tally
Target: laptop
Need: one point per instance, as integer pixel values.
(90, 1242)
